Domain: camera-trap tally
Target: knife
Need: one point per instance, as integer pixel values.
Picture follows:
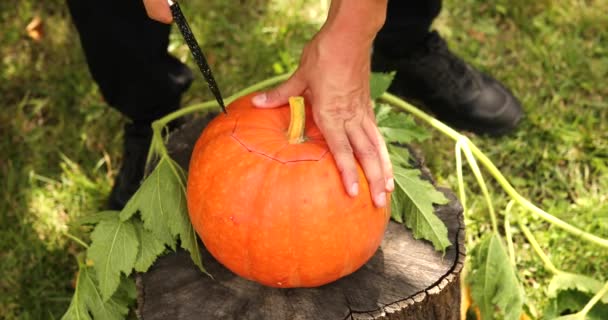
(196, 51)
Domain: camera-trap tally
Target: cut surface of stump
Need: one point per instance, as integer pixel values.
(405, 279)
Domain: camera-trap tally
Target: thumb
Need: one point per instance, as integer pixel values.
(279, 96)
(158, 10)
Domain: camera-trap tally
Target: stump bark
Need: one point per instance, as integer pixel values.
(405, 279)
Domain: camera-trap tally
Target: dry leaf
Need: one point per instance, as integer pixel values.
(35, 29)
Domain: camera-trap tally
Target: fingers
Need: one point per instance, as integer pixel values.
(367, 151)
(340, 147)
(358, 138)
(158, 10)
(387, 167)
(279, 96)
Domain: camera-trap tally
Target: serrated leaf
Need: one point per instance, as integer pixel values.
(401, 128)
(78, 309)
(416, 204)
(569, 302)
(397, 204)
(183, 227)
(150, 248)
(379, 83)
(382, 111)
(400, 156)
(189, 241)
(95, 218)
(565, 281)
(161, 202)
(494, 284)
(87, 299)
(113, 249)
(158, 200)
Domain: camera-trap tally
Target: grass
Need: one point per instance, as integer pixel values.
(60, 148)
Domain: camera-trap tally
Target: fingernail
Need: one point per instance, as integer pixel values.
(380, 200)
(354, 189)
(390, 184)
(260, 99)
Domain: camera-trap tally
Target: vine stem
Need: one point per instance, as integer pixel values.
(487, 163)
(205, 106)
(157, 146)
(461, 190)
(539, 251)
(594, 300)
(508, 233)
(76, 239)
(482, 184)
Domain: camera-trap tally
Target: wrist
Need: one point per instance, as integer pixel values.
(357, 20)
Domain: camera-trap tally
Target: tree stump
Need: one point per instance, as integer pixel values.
(405, 279)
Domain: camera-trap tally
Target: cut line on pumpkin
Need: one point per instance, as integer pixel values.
(234, 135)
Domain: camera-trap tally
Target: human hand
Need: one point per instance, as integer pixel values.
(158, 10)
(334, 74)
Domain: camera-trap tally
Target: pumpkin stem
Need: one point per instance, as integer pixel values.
(295, 133)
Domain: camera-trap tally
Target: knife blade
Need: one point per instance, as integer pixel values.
(196, 51)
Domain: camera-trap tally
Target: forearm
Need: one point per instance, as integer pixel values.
(357, 20)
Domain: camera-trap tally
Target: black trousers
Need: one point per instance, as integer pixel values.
(127, 52)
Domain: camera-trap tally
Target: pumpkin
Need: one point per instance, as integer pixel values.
(267, 200)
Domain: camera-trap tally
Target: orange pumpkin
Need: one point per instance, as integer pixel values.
(270, 206)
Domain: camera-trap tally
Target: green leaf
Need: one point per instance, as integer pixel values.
(565, 281)
(398, 199)
(400, 156)
(568, 302)
(379, 83)
(94, 218)
(414, 199)
(401, 128)
(78, 309)
(158, 200)
(382, 111)
(161, 202)
(494, 284)
(150, 247)
(398, 126)
(87, 299)
(113, 250)
(182, 225)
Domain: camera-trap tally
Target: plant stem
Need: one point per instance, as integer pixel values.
(295, 133)
(391, 99)
(482, 184)
(461, 190)
(157, 147)
(530, 206)
(205, 106)
(594, 300)
(508, 233)
(76, 239)
(539, 251)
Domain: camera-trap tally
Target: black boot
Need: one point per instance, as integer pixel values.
(432, 77)
(136, 143)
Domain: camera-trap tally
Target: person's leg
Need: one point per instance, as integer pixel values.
(429, 75)
(126, 53)
(407, 25)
